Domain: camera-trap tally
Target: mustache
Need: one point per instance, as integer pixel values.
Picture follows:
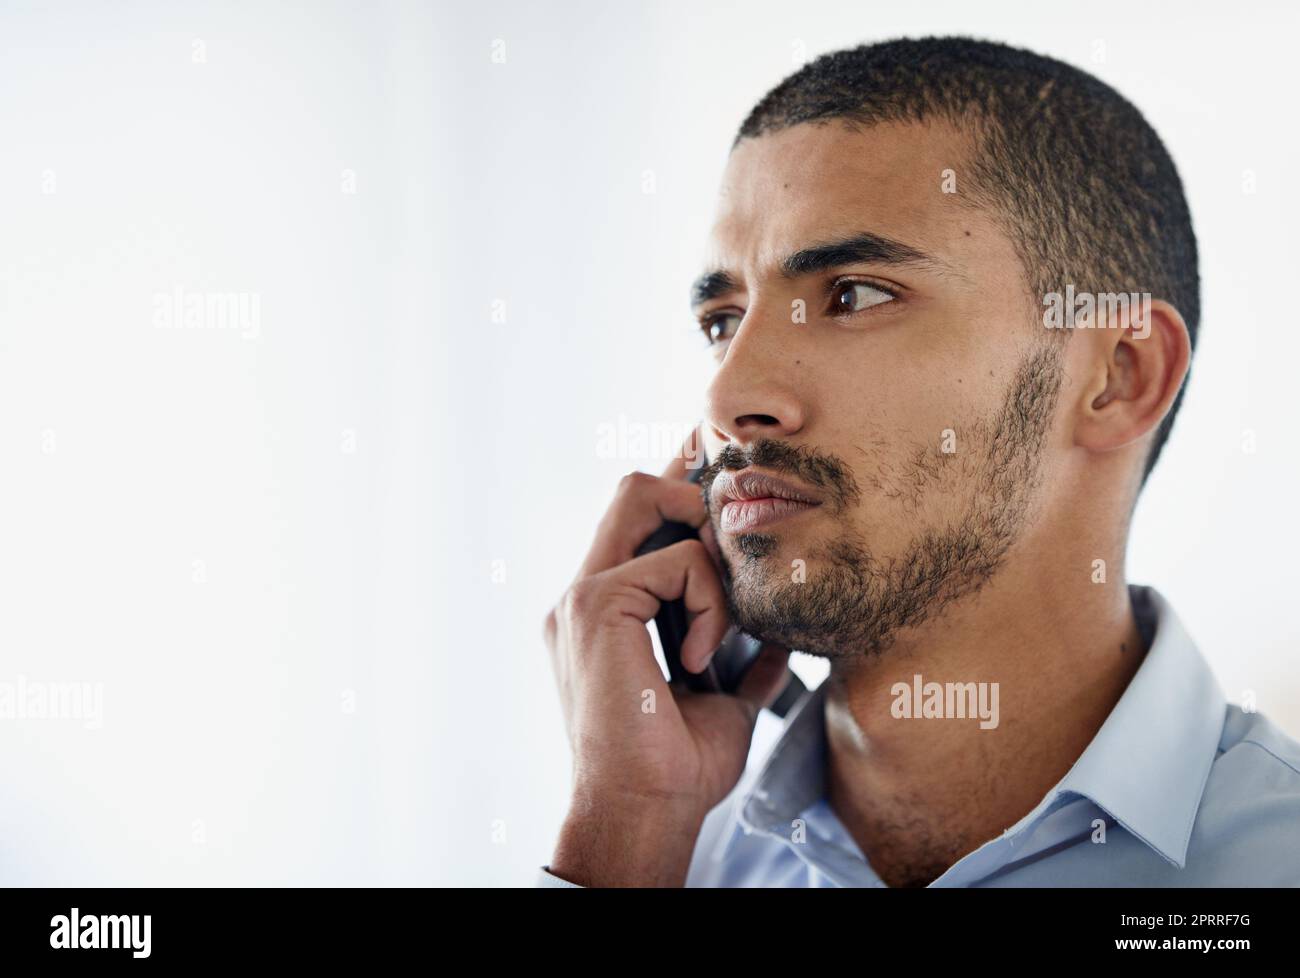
(822, 471)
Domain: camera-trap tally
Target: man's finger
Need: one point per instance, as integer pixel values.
(684, 571)
(641, 503)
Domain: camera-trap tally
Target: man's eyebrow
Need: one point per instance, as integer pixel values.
(710, 285)
(860, 248)
(853, 250)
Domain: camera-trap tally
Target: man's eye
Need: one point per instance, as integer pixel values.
(856, 296)
(720, 326)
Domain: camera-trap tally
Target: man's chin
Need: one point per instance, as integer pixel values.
(812, 607)
(757, 586)
(747, 548)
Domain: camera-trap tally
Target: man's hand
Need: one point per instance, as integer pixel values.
(649, 763)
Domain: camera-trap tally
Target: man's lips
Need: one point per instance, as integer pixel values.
(749, 499)
(744, 515)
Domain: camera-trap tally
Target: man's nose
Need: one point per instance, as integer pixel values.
(754, 394)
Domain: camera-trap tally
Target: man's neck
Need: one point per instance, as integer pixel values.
(919, 793)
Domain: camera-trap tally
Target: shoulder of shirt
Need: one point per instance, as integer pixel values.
(1255, 734)
(1246, 826)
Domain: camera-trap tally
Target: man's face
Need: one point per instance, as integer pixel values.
(896, 384)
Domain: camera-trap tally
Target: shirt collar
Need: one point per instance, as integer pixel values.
(794, 775)
(1147, 765)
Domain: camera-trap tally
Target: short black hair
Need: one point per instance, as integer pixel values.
(1076, 176)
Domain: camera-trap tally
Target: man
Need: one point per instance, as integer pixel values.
(930, 420)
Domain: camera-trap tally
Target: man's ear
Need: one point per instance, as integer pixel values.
(1136, 369)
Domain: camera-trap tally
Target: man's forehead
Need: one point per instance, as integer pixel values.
(785, 190)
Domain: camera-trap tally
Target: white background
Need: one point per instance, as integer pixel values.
(309, 567)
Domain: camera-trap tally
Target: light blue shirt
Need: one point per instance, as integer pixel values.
(1191, 791)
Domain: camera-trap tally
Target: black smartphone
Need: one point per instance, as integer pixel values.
(736, 653)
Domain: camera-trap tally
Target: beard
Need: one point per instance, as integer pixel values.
(858, 602)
